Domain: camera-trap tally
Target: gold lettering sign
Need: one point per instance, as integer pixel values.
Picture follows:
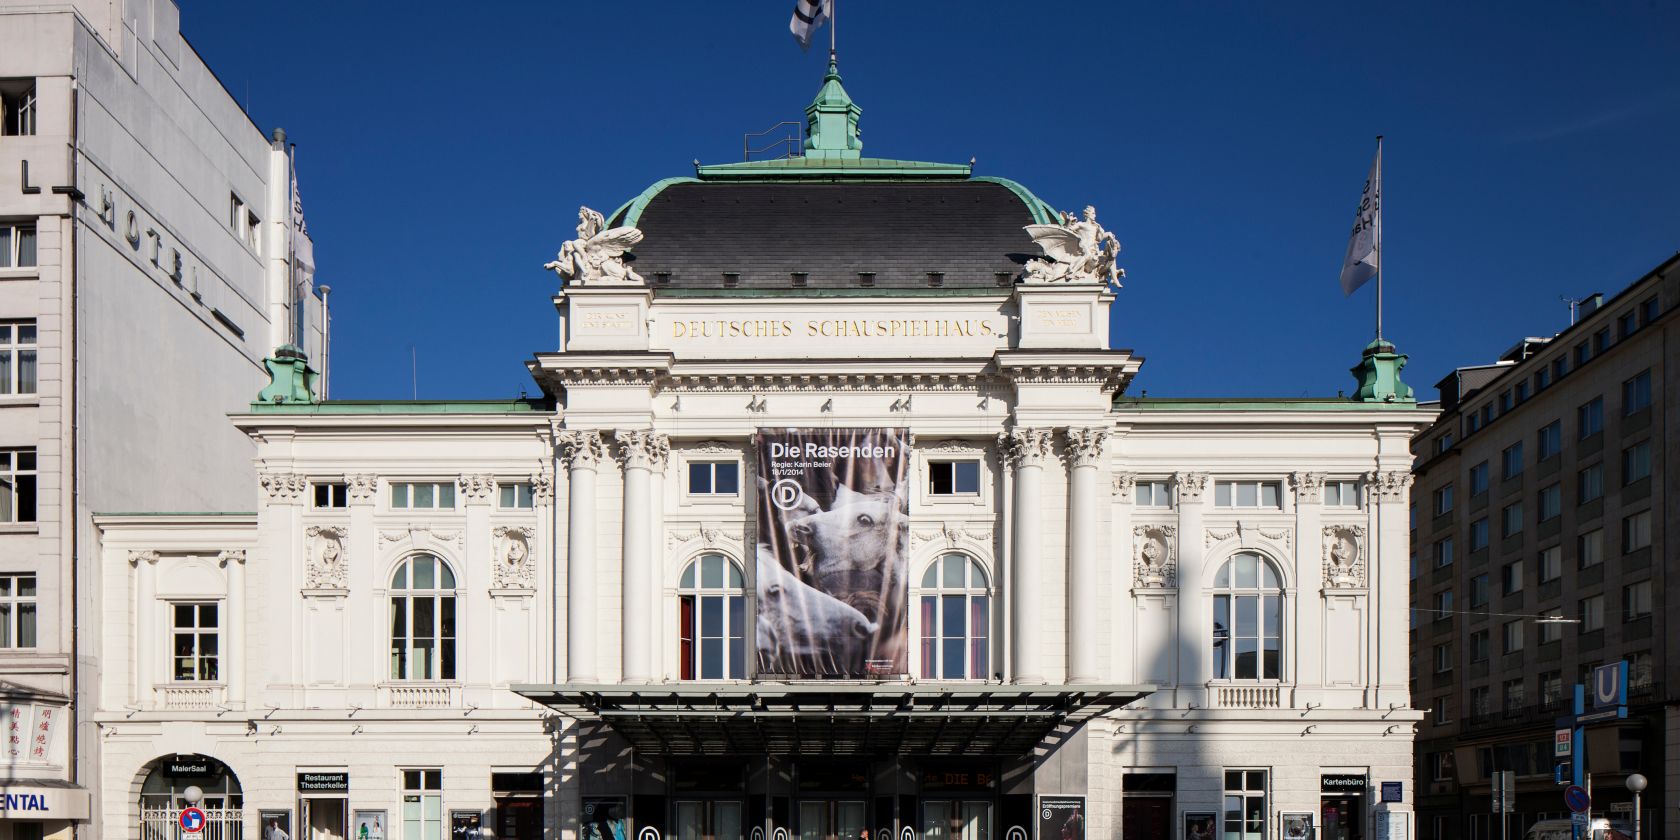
(835, 328)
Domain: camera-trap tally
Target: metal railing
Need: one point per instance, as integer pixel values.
(788, 143)
(165, 824)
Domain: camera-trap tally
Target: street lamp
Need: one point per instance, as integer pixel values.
(1636, 783)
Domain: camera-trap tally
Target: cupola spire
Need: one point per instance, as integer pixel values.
(831, 120)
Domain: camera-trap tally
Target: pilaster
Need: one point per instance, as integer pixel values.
(477, 492)
(1389, 570)
(1194, 669)
(1027, 450)
(1307, 648)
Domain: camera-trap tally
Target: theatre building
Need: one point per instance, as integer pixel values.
(835, 515)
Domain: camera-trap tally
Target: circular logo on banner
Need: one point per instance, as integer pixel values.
(192, 820)
(785, 494)
(1045, 814)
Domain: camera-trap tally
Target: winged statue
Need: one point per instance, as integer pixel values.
(1078, 251)
(597, 254)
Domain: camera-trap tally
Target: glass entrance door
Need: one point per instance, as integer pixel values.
(831, 819)
(1342, 819)
(708, 819)
(957, 819)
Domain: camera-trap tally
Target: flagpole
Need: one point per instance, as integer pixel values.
(291, 246)
(1378, 241)
(833, 28)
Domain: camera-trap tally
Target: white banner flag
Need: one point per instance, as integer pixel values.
(303, 249)
(808, 17)
(1365, 242)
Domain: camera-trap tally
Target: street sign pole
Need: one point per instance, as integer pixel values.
(1578, 751)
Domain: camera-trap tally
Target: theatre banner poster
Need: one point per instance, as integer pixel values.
(1061, 817)
(833, 531)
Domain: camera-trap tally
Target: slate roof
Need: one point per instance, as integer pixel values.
(968, 231)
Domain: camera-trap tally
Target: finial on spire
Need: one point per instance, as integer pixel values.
(831, 120)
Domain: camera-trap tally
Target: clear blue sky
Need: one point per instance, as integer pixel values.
(1531, 152)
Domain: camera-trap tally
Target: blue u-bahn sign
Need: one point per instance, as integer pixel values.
(1606, 694)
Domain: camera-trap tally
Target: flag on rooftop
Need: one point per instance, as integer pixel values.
(1364, 251)
(808, 17)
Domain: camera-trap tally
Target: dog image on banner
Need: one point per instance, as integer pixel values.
(831, 569)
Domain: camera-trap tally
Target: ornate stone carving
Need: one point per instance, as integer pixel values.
(581, 449)
(324, 564)
(1086, 446)
(515, 567)
(643, 449)
(1344, 556)
(542, 487)
(1308, 486)
(596, 256)
(1239, 532)
(1026, 447)
(952, 535)
(146, 556)
(1078, 250)
(414, 533)
(1125, 486)
(710, 537)
(363, 487)
(1389, 485)
(1190, 485)
(1156, 563)
(282, 487)
(478, 487)
(232, 555)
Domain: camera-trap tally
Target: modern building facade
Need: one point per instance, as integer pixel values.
(142, 229)
(834, 518)
(1544, 490)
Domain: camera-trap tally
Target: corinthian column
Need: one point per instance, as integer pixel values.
(1085, 454)
(642, 452)
(1026, 450)
(582, 451)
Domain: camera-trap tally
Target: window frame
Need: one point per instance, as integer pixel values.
(198, 632)
(694, 593)
(1636, 462)
(523, 495)
(1593, 539)
(19, 486)
(1232, 491)
(12, 251)
(1511, 461)
(14, 606)
(1229, 588)
(13, 349)
(1635, 607)
(446, 611)
(1511, 520)
(1589, 418)
(1345, 489)
(1442, 499)
(954, 465)
(1160, 493)
(979, 648)
(1506, 636)
(20, 112)
(337, 495)
(1590, 612)
(1636, 393)
(1550, 559)
(1589, 483)
(441, 488)
(711, 466)
(1548, 441)
(1479, 479)
(1636, 531)
(1549, 502)
(1478, 534)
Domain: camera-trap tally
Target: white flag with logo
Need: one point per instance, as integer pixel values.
(1365, 242)
(808, 17)
(303, 249)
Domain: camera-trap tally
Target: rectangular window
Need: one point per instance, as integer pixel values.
(1551, 682)
(1591, 612)
(1511, 461)
(714, 478)
(1511, 578)
(1551, 563)
(1479, 479)
(1550, 440)
(1505, 403)
(1155, 494)
(1443, 500)
(1551, 502)
(1560, 367)
(1444, 553)
(1522, 392)
(1583, 353)
(1481, 702)
(954, 478)
(1636, 532)
(1589, 548)
(18, 353)
(422, 805)
(236, 214)
(1479, 646)
(1636, 462)
(1542, 379)
(1550, 631)
(1479, 534)
(1443, 657)
(1246, 811)
(1511, 520)
(1639, 672)
(1636, 393)
(1487, 414)
(1342, 494)
(1589, 418)
(17, 611)
(1649, 310)
(1589, 484)
(1443, 605)
(18, 107)
(515, 495)
(195, 643)
(1248, 494)
(1514, 693)
(423, 495)
(253, 232)
(1478, 591)
(1636, 600)
(17, 485)
(1512, 636)
(1601, 341)
(17, 245)
(332, 494)
(1443, 443)
(1627, 324)
(1472, 423)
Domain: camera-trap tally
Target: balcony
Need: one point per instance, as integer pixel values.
(1247, 696)
(189, 697)
(419, 695)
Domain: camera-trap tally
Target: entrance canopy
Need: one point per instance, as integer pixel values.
(834, 718)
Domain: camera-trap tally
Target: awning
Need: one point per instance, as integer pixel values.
(42, 799)
(833, 719)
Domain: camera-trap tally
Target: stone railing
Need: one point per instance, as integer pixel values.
(1247, 696)
(420, 696)
(189, 697)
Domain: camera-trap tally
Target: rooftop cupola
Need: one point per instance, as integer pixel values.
(831, 120)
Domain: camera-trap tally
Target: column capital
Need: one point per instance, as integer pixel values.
(1389, 485)
(582, 449)
(643, 449)
(1086, 446)
(148, 556)
(1026, 447)
(1125, 486)
(1308, 486)
(282, 487)
(1190, 485)
(232, 556)
(477, 488)
(363, 487)
(542, 486)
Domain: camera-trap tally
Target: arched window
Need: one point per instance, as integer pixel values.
(1247, 620)
(956, 619)
(423, 620)
(712, 620)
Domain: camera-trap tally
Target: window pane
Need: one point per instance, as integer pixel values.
(954, 666)
(711, 617)
(207, 615)
(508, 495)
(399, 495)
(1268, 575)
(735, 580)
(930, 638)
(1222, 494)
(1247, 573)
(425, 572)
(1247, 494)
(940, 478)
(1271, 616)
(1247, 618)
(711, 571)
(727, 479)
(1269, 495)
(711, 659)
(979, 622)
(1247, 665)
(699, 478)
(446, 495)
(954, 617)
(423, 495)
(687, 581)
(26, 246)
(183, 615)
(956, 568)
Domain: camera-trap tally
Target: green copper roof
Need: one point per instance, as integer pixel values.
(831, 120)
(1378, 374)
(403, 407)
